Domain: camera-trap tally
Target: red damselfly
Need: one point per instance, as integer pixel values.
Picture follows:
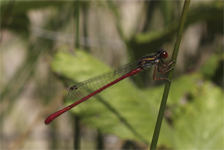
(84, 90)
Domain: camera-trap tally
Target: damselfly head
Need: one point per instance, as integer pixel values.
(162, 53)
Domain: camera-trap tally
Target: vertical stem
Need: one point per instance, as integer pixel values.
(120, 29)
(77, 23)
(76, 119)
(123, 37)
(76, 132)
(6, 16)
(170, 76)
(85, 31)
(100, 140)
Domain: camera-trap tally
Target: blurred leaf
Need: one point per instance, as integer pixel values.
(200, 123)
(22, 7)
(15, 18)
(180, 87)
(154, 39)
(211, 65)
(124, 111)
(19, 24)
(197, 120)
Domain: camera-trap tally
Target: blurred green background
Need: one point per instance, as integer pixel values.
(47, 46)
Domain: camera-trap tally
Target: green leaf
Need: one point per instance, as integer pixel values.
(193, 104)
(209, 13)
(209, 68)
(22, 7)
(200, 123)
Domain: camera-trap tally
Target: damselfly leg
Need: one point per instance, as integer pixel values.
(159, 67)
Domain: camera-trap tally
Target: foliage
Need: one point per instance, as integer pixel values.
(192, 102)
(194, 112)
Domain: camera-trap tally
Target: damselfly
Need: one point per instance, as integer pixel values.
(84, 90)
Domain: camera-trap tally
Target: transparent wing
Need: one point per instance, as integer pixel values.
(83, 89)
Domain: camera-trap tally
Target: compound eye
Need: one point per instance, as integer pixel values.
(164, 54)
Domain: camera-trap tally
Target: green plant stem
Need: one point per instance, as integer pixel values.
(120, 29)
(77, 24)
(99, 141)
(121, 33)
(76, 119)
(170, 76)
(77, 135)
